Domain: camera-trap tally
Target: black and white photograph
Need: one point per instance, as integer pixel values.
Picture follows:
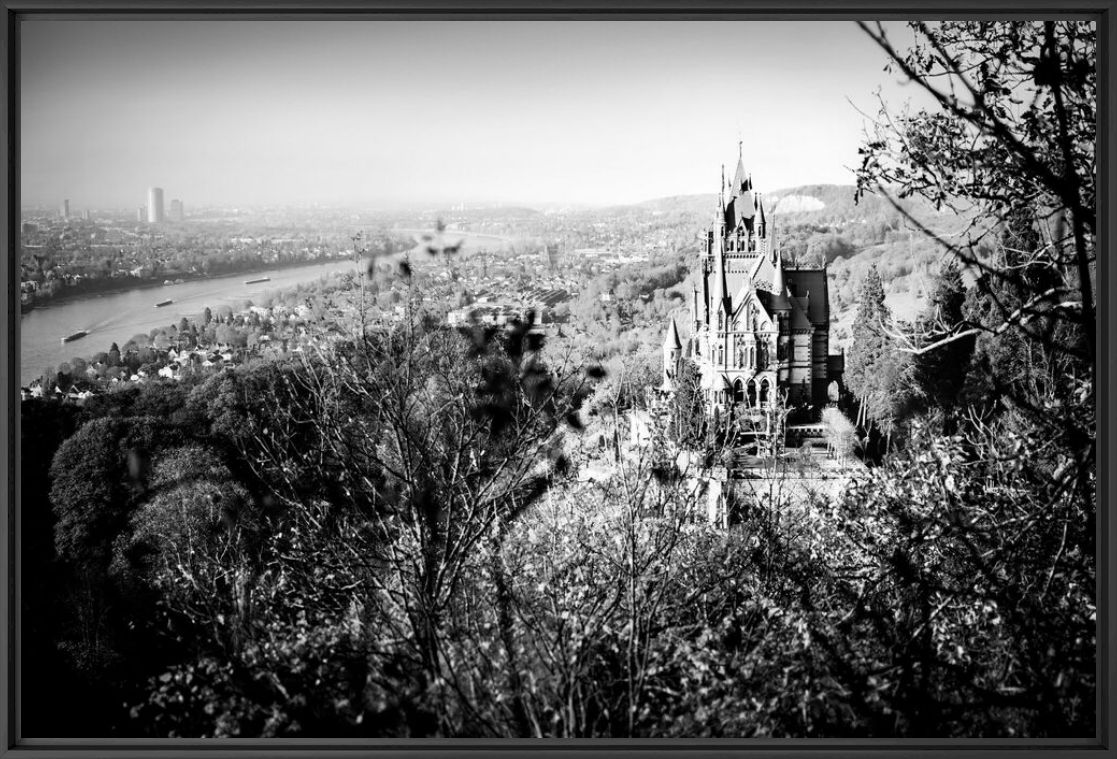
(556, 378)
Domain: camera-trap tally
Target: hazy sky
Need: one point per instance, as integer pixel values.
(243, 112)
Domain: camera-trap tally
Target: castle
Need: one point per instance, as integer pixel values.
(760, 334)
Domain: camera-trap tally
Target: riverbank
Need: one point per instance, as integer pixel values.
(120, 285)
(110, 317)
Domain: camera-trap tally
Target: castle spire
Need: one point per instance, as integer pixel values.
(739, 177)
(721, 290)
(672, 341)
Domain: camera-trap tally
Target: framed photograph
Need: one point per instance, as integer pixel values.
(391, 379)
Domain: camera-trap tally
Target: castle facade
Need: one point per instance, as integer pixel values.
(760, 329)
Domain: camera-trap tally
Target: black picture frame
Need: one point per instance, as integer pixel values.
(1103, 11)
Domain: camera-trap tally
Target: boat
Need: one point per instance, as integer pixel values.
(76, 336)
(162, 303)
(255, 281)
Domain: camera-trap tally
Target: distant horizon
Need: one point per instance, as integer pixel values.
(75, 211)
(414, 113)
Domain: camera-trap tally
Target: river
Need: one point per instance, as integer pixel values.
(117, 317)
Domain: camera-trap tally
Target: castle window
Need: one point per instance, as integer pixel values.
(721, 355)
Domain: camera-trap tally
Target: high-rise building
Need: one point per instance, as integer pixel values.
(141, 213)
(65, 210)
(86, 215)
(155, 205)
(177, 213)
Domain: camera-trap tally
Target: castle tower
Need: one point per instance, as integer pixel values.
(758, 337)
(672, 355)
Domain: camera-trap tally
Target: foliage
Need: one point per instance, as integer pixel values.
(384, 535)
(876, 373)
(1012, 130)
(958, 593)
(688, 406)
(941, 372)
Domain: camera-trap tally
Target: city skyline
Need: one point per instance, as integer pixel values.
(272, 113)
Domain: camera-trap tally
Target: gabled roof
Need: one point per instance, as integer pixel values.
(813, 281)
(742, 297)
(799, 307)
(764, 275)
(765, 307)
(773, 302)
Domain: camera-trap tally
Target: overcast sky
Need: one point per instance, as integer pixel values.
(370, 113)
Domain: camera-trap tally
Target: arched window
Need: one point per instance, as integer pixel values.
(721, 355)
(738, 391)
(763, 392)
(752, 393)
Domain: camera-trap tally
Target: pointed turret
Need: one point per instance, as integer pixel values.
(762, 228)
(672, 341)
(740, 178)
(721, 289)
(743, 202)
(672, 354)
(777, 276)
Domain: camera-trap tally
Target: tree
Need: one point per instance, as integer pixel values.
(1012, 130)
(942, 372)
(688, 411)
(877, 373)
(840, 431)
(96, 477)
(869, 340)
(391, 461)
(1014, 362)
(1010, 144)
(957, 592)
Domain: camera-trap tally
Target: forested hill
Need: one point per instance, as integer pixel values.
(813, 203)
